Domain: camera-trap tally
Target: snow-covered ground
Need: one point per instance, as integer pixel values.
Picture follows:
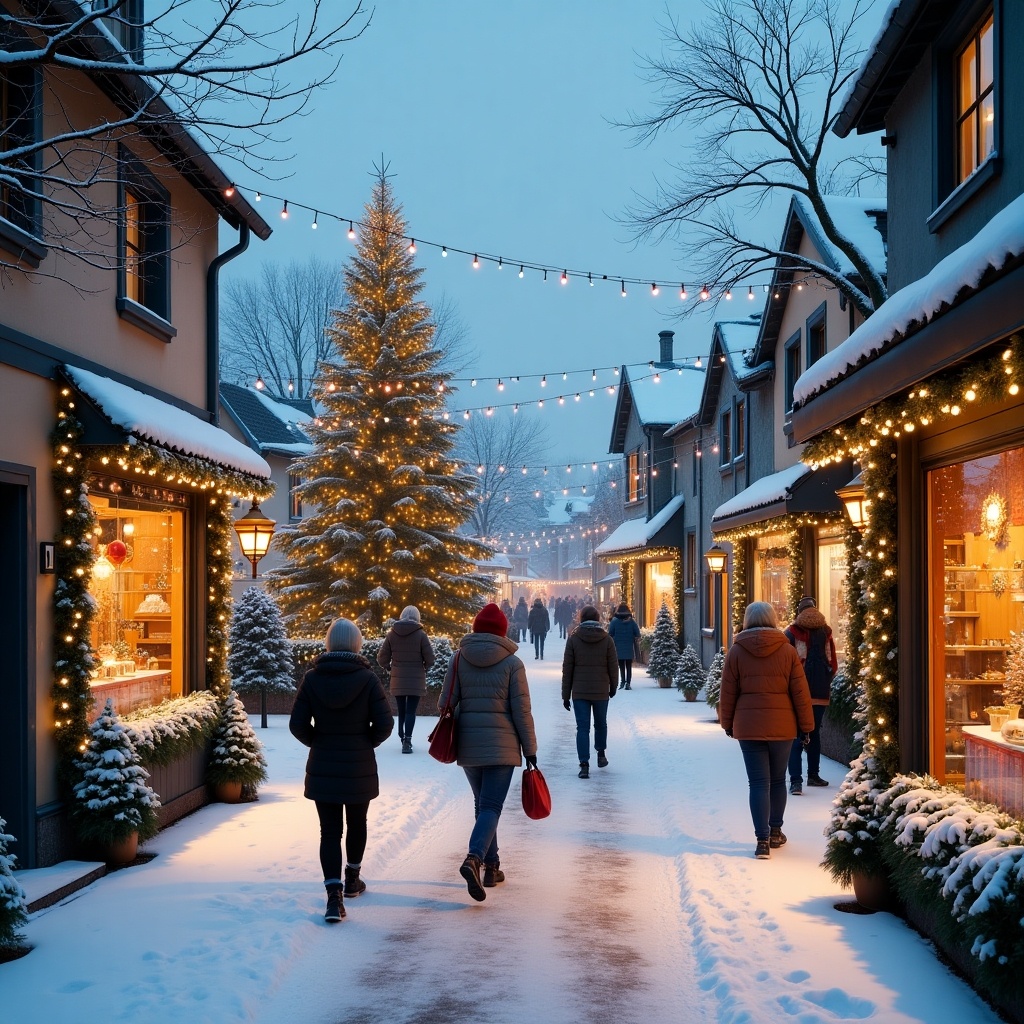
(638, 900)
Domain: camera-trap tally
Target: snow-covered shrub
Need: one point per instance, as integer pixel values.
(13, 905)
(370, 650)
(164, 733)
(305, 651)
(664, 646)
(443, 653)
(111, 798)
(261, 653)
(237, 752)
(855, 823)
(713, 680)
(689, 674)
(644, 642)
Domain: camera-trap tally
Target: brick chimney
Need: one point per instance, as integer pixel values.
(666, 339)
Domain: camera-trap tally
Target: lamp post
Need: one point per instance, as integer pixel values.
(255, 533)
(716, 559)
(856, 502)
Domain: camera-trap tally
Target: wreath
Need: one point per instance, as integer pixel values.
(994, 519)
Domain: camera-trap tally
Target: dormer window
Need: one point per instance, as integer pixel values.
(975, 105)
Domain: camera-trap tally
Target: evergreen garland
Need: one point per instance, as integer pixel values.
(174, 728)
(237, 752)
(797, 578)
(626, 582)
(713, 680)
(261, 659)
(664, 646)
(739, 582)
(13, 902)
(689, 673)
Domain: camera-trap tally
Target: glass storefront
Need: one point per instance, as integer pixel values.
(976, 577)
(831, 586)
(137, 583)
(658, 589)
(771, 573)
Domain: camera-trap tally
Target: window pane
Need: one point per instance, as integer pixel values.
(657, 590)
(740, 429)
(985, 52)
(968, 134)
(968, 79)
(988, 123)
(832, 591)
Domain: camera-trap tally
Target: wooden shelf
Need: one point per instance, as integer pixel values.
(954, 650)
(961, 615)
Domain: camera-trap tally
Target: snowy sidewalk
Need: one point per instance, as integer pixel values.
(638, 900)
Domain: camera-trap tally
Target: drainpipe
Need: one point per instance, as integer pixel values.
(213, 321)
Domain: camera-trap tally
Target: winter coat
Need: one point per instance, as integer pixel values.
(406, 653)
(341, 713)
(590, 665)
(522, 614)
(764, 693)
(622, 628)
(492, 702)
(824, 663)
(539, 621)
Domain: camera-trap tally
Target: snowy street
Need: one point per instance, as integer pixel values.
(638, 900)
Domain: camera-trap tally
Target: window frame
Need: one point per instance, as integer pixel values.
(792, 354)
(725, 438)
(294, 498)
(127, 27)
(691, 565)
(815, 327)
(636, 475)
(739, 430)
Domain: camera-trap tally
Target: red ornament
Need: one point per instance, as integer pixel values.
(117, 552)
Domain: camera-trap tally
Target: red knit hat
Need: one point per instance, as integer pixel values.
(490, 619)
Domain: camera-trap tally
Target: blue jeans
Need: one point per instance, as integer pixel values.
(766, 773)
(490, 785)
(538, 644)
(813, 750)
(406, 716)
(582, 708)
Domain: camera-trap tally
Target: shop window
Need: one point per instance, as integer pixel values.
(137, 633)
(771, 574)
(294, 497)
(976, 586)
(792, 369)
(975, 101)
(636, 471)
(831, 584)
(658, 589)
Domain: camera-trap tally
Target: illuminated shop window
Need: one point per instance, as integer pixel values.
(657, 589)
(771, 573)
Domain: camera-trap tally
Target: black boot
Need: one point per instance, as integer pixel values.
(407, 745)
(584, 769)
(354, 885)
(493, 875)
(470, 871)
(335, 905)
(602, 761)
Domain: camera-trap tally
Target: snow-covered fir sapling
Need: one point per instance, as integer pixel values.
(664, 646)
(855, 824)
(689, 675)
(1013, 688)
(111, 798)
(237, 752)
(442, 657)
(13, 904)
(261, 659)
(713, 680)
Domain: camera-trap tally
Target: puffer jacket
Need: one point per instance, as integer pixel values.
(538, 622)
(799, 635)
(764, 693)
(341, 713)
(406, 653)
(623, 630)
(590, 665)
(492, 702)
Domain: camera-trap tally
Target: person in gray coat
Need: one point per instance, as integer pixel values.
(406, 653)
(488, 686)
(590, 676)
(341, 713)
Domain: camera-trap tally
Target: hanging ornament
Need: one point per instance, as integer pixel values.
(116, 552)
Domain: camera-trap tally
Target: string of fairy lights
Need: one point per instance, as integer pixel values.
(519, 267)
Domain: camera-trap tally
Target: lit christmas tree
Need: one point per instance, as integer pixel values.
(1013, 688)
(386, 494)
(261, 659)
(664, 646)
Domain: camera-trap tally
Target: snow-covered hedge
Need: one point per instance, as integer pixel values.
(164, 733)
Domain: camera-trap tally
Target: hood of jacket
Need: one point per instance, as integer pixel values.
(403, 627)
(761, 641)
(810, 618)
(338, 677)
(486, 649)
(590, 632)
(623, 615)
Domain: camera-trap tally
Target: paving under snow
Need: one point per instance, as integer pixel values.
(638, 900)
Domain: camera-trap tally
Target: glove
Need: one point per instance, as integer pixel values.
(806, 739)
(566, 704)
(531, 760)
(728, 732)
(611, 693)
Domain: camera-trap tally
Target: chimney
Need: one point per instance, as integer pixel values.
(666, 338)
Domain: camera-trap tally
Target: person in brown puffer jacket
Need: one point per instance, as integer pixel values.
(407, 655)
(765, 703)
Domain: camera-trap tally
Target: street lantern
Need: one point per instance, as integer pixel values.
(856, 502)
(716, 558)
(255, 533)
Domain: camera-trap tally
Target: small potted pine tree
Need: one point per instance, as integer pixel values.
(713, 681)
(13, 905)
(113, 807)
(261, 660)
(689, 673)
(664, 648)
(1013, 688)
(237, 759)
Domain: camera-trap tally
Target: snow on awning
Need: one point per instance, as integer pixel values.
(636, 534)
(149, 419)
(612, 577)
(794, 489)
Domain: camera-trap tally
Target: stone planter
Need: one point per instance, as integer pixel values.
(228, 792)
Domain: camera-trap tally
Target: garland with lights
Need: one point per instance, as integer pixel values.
(74, 606)
(626, 582)
(627, 572)
(796, 581)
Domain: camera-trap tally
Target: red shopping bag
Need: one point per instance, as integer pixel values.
(536, 795)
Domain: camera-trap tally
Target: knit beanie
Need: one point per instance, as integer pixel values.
(490, 619)
(411, 613)
(623, 609)
(590, 614)
(805, 603)
(344, 635)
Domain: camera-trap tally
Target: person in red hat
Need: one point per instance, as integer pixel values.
(488, 684)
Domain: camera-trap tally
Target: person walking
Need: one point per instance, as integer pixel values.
(764, 703)
(811, 635)
(521, 617)
(487, 683)
(539, 623)
(407, 655)
(622, 628)
(341, 713)
(590, 677)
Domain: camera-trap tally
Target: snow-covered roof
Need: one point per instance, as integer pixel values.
(496, 561)
(166, 425)
(274, 427)
(635, 534)
(768, 490)
(563, 510)
(999, 241)
(664, 395)
(739, 337)
(856, 219)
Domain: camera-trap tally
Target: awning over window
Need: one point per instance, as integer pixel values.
(141, 416)
(793, 490)
(634, 535)
(612, 577)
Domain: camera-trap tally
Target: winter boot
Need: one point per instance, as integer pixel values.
(492, 875)
(796, 789)
(407, 745)
(584, 769)
(628, 686)
(602, 761)
(763, 849)
(335, 904)
(354, 885)
(775, 840)
(816, 780)
(470, 871)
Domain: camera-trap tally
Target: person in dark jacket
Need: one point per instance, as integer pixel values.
(487, 683)
(341, 713)
(622, 628)
(406, 653)
(811, 635)
(765, 704)
(590, 677)
(539, 624)
(521, 617)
